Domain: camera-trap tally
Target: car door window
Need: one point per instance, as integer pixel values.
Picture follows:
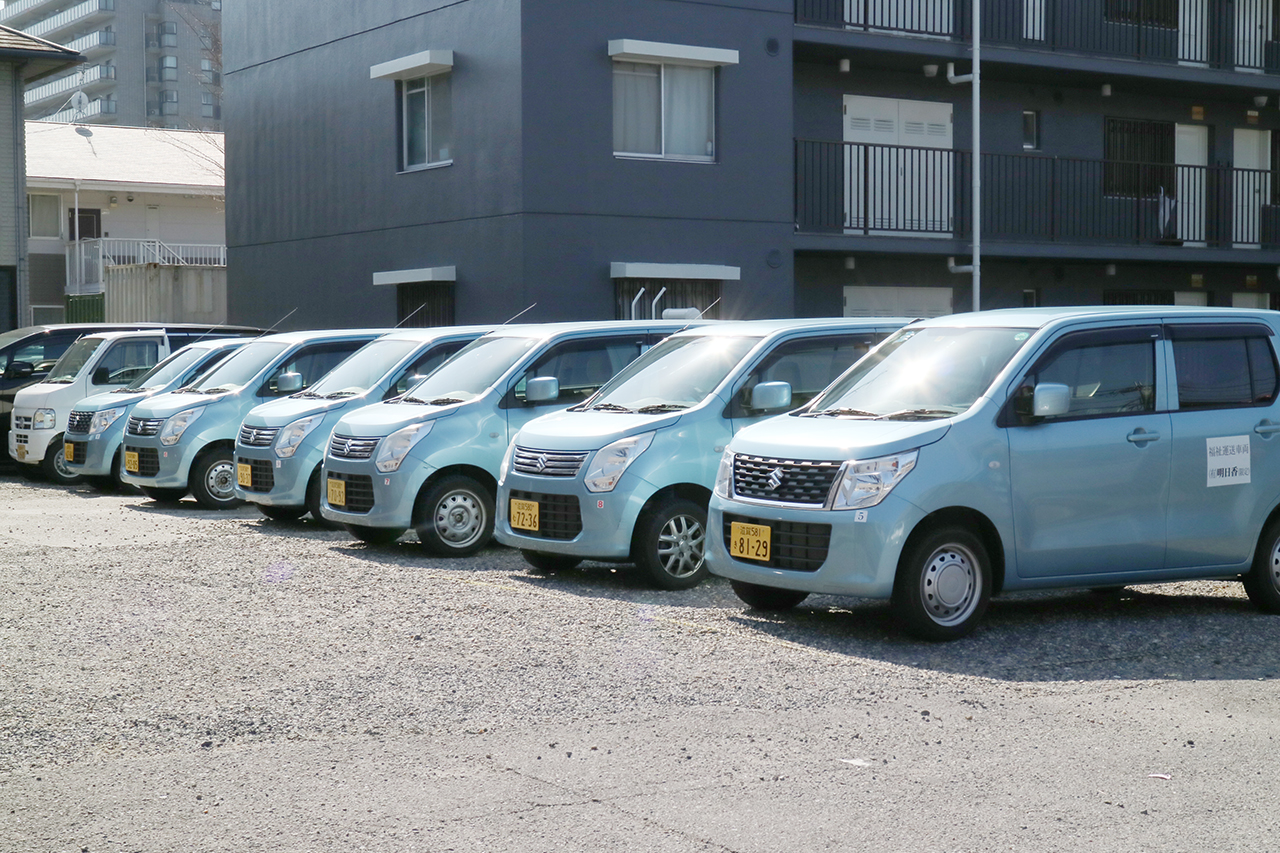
(44, 352)
(1107, 373)
(808, 365)
(581, 367)
(126, 361)
(312, 362)
(427, 362)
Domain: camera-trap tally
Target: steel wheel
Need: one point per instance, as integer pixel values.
(943, 584)
(55, 464)
(213, 480)
(454, 517)
(1262, 583)
(671, 545)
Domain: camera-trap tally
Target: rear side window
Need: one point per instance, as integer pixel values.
(1224, 371)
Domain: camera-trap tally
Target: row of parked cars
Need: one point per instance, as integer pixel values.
(932, 463)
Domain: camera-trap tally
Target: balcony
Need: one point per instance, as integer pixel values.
(85, 79)
(865, 190)
(20, 12)
(94, 43)
(86, 262)
(79, 15)
(1236, 36)
(96, 109)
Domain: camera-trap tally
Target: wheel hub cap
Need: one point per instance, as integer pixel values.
(221, 481)
(459, 519)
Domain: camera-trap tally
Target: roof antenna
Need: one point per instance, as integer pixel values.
(411, 313)
(278, 322)
(525, 311)
(700, 313)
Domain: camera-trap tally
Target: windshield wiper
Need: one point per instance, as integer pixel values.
(221, 389)
(131, 390)
(439, 401)
(60, 381)
(338, 395)
(850, 413)
(611, 407)
(911, 414)
(308, 395)
(660, 407)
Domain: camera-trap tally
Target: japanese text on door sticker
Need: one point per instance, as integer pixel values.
(1229, 460)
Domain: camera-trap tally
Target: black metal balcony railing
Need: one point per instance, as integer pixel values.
(893, 190)
(1244, 34)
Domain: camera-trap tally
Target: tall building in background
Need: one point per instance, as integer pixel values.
(151, 63)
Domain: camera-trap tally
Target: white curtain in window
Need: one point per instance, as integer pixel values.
(415, 122)
(690, 109)
(441, 122)
(45, 221)
(637, 108)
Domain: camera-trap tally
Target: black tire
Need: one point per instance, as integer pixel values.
(454, 516)
(315, 494)
(213, 479)
(943, 584)
(54, 464)
(1262, 583)
(164, 496)
(771, 598)
(542, 562)
(374, 535)
(670, 544)
(282, 513)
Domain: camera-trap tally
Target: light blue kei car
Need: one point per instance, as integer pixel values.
(1015, 450)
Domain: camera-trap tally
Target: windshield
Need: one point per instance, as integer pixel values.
(470, 372)
(166, 371)
(920, 374)
(238, 369)
(73, 360)
(678, 373)
(361, 370)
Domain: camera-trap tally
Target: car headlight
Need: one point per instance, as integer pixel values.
(101, 420)
(724, 474)
(44, 419)
(506, 462)
(866, 482)
(393, 448)
(176, 425)
(613, 459)
(291, 436)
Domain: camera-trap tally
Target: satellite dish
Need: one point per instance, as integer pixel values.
(80, 101)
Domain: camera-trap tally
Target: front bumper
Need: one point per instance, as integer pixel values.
(374, 499)
(92, 455)
(814, 550)
(30, 445)
(274, 481)
(572, 520)
(159, 466)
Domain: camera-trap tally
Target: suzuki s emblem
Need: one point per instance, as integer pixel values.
(542, 463)
(775, 479)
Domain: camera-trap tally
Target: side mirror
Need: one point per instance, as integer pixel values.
(20, 370)
(542, 389)
(771, 395)
(1051, 400)
(289, 383)
(101, 376)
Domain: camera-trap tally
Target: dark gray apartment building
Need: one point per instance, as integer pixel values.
(466, 159)
(149, 62)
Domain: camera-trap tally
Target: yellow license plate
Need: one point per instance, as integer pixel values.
(524, 515)
(749, 541)
(336, 492)
(22, 452)
(68, 451)
(244, 474)
(131, 461)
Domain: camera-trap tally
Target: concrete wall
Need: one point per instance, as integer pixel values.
(165, 294)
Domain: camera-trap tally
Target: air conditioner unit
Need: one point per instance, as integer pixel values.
(153, 45)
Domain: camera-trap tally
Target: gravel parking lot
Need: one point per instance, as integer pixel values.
(186, 680)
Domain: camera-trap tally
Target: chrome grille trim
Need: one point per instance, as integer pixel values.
(548, 463)
(22, 422)
(768, 480)
(144, 426)
(79, 422)
(257, 436)
(351, 447)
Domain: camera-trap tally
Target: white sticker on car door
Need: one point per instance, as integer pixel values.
(1229, 460)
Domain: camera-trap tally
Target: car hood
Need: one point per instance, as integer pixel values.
(377, 421)
(588, 430)
(111, 400)
(278, 413)
(164, 405)
(835, 439)
(43, 394)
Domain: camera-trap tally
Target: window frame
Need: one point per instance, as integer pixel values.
(429, 112)
(55, 210)
(1248, 334)
(1034, 143)
(663, 106)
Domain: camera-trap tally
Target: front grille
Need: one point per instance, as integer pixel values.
(148, 460)
(793, 545)
(22, 422)
(359, 491)
(20, 438)
(262, 477)
(257, 436)
(79, 422)
(144, 426)
(350, 447)
(783, 480)
(559, 516)
(548, 463)
(78, 450)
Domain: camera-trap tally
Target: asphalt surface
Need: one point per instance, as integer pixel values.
(187, 680)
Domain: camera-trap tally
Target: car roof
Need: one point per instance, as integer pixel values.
(544, 331)
(1035, 318)
(321, 335)
(764, 328)
(430, 334)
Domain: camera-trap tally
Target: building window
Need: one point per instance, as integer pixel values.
(168, 33)
(45, 217)
(422, 305)
(426, 119)
(208, 73)
(1154, 13)
(1137, 297)
(1031, 130)
(209, 105)
(702, 294)
(168, 68)
(1139, 158)
(169, 102)
(664, 110)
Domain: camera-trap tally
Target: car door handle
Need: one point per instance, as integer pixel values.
(1266, 428)
(1141, 436)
